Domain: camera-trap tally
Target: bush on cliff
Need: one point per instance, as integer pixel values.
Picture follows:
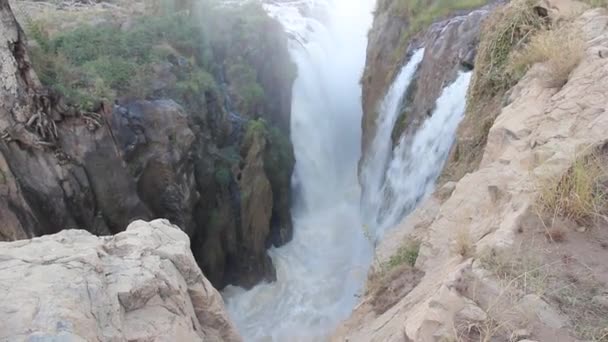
(92, 63)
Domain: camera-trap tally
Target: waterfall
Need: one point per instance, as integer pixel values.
(374, 169)
(320, 272)
(416, 162)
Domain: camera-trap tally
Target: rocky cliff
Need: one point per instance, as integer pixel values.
(142, 113)
(514, 249)
(450, 37)
(140, 285)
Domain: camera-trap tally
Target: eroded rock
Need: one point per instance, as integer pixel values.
(494, 204)
(142, 284)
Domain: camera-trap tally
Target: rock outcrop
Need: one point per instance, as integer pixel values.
(172, 143)
(140, 285)
(469, 228)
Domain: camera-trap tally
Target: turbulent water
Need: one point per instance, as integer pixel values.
(321, 272)
(417, 161)
(374, 171)
(323, 269)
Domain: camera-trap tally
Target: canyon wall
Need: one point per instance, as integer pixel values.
(501, 253)
(145, 113)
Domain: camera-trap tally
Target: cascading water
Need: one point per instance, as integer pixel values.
(417, 161)
(374, 169)
(322, 270)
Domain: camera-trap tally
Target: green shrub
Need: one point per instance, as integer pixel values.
(116, 72)
(406, 254)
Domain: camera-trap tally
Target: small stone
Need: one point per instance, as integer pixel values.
(472, 313)
(537, 309)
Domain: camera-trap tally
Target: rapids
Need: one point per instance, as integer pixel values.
(321, 273)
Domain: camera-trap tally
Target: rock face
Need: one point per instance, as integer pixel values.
(177, 154)
(450, 46)
(140, 285)
(536, 137)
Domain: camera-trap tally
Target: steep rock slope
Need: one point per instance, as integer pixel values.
(495, 268)
(142, 284)
(142, 113)
(396, 32)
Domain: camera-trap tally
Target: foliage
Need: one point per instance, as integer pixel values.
(223, 176)
(91, 63)
(420, 14)
(506, 31)
(406, 254)
(245, 40)
(395, 278)
(596, 3)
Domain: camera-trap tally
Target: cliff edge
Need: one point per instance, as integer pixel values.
(140, 285)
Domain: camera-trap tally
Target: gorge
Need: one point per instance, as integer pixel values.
(338, 170)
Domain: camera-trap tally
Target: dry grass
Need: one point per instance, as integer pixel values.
(395, 278)
(463, 244)
(387, 288)
(505, 31)
(525, 272)
(555, 235)
(560, 49)
(596, 3)
(581, 194)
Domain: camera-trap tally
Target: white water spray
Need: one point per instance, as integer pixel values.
(418, 160)
(322, 270)
(374, 169)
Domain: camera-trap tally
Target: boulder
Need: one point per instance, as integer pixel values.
(142, 284)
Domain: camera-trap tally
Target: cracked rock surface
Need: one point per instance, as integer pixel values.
(140, 285)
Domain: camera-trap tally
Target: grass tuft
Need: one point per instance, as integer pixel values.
(463, 243)
(560, 48)
(395, 278)
(581, 194)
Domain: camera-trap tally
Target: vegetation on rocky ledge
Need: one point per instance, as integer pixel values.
(228, 67)
(419, 15)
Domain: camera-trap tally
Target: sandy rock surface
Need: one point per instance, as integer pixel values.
(140, 285)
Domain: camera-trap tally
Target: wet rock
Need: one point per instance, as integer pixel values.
(157, 143)
(256, 212)
(450, 47)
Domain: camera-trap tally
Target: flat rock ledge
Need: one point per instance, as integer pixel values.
(140, 285)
